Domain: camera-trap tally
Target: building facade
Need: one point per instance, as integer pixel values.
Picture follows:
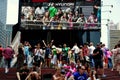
(5, 30)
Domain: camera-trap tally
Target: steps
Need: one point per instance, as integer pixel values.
(11, 75)
(111, 75)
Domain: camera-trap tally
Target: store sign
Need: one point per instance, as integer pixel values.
(53, 0)
(62, 4)
(40, 0)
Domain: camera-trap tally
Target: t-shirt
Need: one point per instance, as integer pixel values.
(26, 50)
(78, 76)
(52, 11)
(54, 52)
(23, 73)
(65, 51)
(47, 51)
(8, 53)
(99, 55)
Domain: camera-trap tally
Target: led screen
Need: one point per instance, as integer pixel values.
(60, 14)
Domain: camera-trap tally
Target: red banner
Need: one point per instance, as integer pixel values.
(40, 0)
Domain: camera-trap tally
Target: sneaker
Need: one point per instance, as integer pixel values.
(6, 70)
(103, 76)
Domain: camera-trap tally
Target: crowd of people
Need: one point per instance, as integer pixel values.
(68, 17)
(80, 62)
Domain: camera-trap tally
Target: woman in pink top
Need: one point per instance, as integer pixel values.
(109, 56)
(71, 69)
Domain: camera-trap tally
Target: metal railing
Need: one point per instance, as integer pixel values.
(38, 24)
(15, 44)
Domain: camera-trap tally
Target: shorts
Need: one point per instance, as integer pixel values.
(98, 64)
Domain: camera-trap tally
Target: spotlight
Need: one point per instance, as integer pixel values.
(112, 6)
(106, 24)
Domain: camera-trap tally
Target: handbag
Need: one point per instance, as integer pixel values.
(36, 58)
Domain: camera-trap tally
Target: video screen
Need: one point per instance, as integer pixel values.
(60, 14)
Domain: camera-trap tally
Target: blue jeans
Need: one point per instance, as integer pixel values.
(76, 57)
(91, 61)
(110, 63)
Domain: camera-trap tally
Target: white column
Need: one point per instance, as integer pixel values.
(105, 14)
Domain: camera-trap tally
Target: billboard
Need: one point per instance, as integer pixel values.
(60, 14)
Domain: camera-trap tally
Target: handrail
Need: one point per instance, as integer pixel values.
(80, 25)
(15, 44)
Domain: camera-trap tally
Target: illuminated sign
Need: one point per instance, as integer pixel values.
(53, 0)
(40, 0)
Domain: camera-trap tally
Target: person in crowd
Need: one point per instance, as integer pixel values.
(80, 74)
(75, 50)
(104, 49)
(31, 15)
(98, 13)
(59, 54)
(117, 59)
(48, 52)
(20, 56)
(70, 69)
(91, 49)
(82, 20)
(58, 75)
(52, 10)
(60, 13)
(76, 16)
(97, 9)
(8, 53)
(81, 58)
(25, 11)
(114, 53)
(78, 9)
(65, 52)
(85, 53)
(54, 22)
(23, 72)
(39, 12)
(26, 49)
(92, 20)
(70, 20)
(70, 56)
(78, 63)
(98, 60)
(109, 56)
(38, 55)
(46, 20)
(1, 55)
(54, 53)
(92, 75)
(35, 73)
(64, 20)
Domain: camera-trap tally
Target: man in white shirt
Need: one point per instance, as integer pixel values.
(91, 49)
(75, 50)
(39, 12)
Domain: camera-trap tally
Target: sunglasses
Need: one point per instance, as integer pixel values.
(82, 68)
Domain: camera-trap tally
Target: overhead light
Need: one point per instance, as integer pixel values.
(107, 11)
